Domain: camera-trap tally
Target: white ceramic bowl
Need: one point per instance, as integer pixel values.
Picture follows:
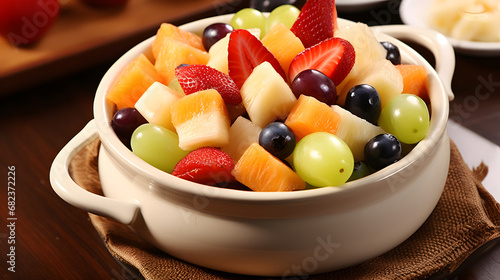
(272, 234)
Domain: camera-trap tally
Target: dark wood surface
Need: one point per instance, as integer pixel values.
(84, 35)
(57, 241)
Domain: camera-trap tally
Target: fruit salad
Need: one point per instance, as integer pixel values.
(280, 102)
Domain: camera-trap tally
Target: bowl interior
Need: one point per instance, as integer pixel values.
(103, 113)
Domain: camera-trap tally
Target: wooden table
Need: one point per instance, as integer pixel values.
(57, 241)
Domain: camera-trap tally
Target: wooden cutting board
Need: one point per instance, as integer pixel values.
(83, 36)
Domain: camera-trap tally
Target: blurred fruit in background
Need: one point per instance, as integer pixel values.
(105, 3)
(23, 22)
(269, 5)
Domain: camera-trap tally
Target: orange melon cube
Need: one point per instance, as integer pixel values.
(283, 44)
(260, 171)
(132, 82)
(201, 119)
(414, 80)
(173, 53)
(310, 115)
(168, 30)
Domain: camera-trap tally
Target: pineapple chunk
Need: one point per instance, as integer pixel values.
(266, 96)
(385, 78)
(368, 51)
(367, 47)
(242, 134)
(156, 103)
(218, 55)
(201, 119)
(355, 131)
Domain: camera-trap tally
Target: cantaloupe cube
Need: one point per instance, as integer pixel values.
(132, 82)
(156, 103)
(261, 171)
(242, 134)
(283, 44)
(174, 53)
(310, 115)
(168, 30)
(201, 119)
(415, 80)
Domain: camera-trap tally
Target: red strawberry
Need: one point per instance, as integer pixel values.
(316, 22)
(206, 165)
(333, 57)
(245, 52)
(194, 78)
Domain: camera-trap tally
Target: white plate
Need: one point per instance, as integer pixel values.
(357, 5)
(414, 12)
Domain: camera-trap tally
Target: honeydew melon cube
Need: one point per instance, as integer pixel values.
(266, 96)
(156, 103)
(242, 134)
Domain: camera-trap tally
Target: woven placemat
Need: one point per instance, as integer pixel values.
(466, 217)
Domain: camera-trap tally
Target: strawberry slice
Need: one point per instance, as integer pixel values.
(334, 57)
(206, 165)
(316, 22)
(194, 78)
(245, 52)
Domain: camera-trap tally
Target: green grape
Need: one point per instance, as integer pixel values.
(157, 146)
(249, 18)
(360, 170)
(286, 14)
(405, 116)
(322, 159)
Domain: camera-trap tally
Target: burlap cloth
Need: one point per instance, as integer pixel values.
(466, 217)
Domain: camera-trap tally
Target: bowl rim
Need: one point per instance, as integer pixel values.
(439, 116)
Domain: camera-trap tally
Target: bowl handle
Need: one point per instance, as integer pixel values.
(432, 40)
(62, 183)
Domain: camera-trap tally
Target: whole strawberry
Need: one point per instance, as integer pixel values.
(206, 165)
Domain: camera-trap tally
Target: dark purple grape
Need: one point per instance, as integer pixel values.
(181, 65)
(278, 139)
(360, 170)
(393, 54)
(364, 101)
(313, 83)
(125, 121)
(214, 32)
(382, 150)
(268, 5)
